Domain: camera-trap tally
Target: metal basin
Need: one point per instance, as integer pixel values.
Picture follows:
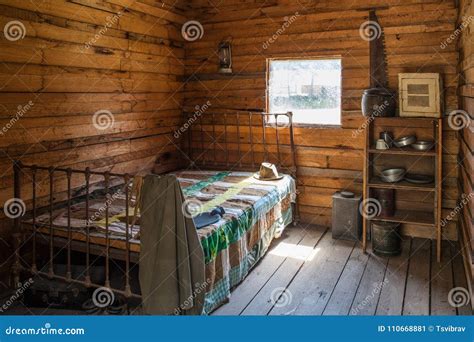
(405, 141)
(392, 175)
(423, 145)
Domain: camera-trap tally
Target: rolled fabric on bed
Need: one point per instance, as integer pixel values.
(172, 271)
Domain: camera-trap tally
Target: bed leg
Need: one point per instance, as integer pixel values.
(296, 209)
(16, 267)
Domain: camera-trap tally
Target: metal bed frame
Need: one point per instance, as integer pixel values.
(204, 123)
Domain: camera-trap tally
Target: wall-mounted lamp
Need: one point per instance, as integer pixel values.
(225, 58)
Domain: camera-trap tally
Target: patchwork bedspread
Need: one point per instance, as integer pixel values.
(256, 212)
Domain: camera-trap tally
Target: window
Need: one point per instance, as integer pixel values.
(311, 89)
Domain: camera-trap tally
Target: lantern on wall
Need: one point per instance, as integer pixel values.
(225, 57)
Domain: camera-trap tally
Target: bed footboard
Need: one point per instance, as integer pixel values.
(33, 240)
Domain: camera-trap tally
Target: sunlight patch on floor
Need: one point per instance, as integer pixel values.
(290, 250)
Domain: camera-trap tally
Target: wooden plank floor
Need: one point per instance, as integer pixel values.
(306, 272)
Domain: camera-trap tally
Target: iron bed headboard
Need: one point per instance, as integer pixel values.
(265, 121)
(248, 127)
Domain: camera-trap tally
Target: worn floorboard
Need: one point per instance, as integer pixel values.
(417, 292)
(370, 287)
(245, 292)
(336, 278)
(393, 289)
(306, 272)
(442, 281)
(274, 292)
(345, 291)
(459, 278)
(312, 287)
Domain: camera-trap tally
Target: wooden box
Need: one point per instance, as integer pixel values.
(420, 95)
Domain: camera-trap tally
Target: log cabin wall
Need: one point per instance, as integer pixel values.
(80, 57)
(120, 59)
(330, 158)
(466, 136)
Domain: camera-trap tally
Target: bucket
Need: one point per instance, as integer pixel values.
(386, 240)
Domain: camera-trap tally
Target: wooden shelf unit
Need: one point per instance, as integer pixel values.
(421, 218)
(403, 151)
(402, 185)
(413, 160)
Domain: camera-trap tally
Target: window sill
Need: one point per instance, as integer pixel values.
(305, 125)
(317, 126)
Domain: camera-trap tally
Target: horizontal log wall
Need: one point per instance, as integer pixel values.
(79, 57)
(466, 157)
(329, 159)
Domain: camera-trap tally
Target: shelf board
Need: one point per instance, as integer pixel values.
(408, 151)
(412, 122)
(402, 185)
(422, 218)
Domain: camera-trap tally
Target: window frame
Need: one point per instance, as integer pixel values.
(267, 89)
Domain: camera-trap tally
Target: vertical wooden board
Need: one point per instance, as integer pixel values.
(312, 287)
(248, 289)
(417, 301)
(459, 277)
(393, 290)
(368, 292)
(441, 281)
(346, 288)
(275, 290)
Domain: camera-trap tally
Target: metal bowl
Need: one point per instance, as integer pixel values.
(392, 175)
(423, 145)
(404, 141)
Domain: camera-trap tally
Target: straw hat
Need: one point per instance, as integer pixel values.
(268, 172)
